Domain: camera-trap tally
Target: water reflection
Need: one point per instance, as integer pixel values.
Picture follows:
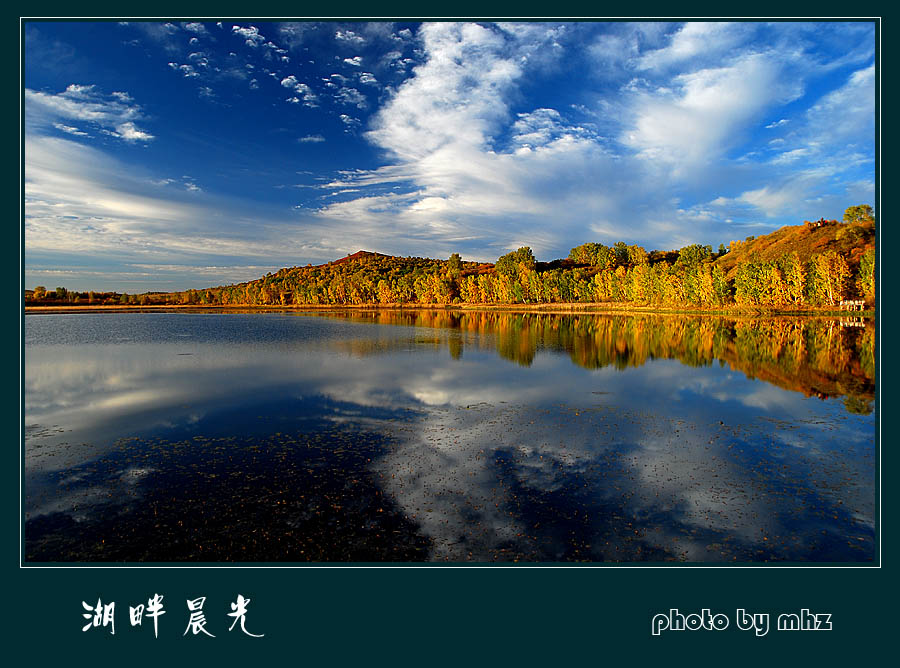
(407, 436)
(825, 357)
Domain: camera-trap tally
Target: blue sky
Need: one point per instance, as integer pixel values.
(165, 156)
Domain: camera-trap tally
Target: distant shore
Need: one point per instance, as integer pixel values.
(560, 308)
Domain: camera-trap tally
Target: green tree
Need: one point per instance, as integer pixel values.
(694, 254)
(865, 281)
(508, 265)
(861, 213)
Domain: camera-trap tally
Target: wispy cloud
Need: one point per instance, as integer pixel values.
(115, 114)
(70, 130)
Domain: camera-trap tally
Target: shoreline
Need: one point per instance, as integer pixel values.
(557, 308)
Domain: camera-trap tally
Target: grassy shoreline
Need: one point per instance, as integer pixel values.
(560, 308)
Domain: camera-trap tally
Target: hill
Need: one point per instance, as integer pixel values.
(850, 241)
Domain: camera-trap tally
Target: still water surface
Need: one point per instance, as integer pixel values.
(398, 436)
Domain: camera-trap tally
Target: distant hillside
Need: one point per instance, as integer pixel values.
(809, 239)
(820, 264)
(358, 255)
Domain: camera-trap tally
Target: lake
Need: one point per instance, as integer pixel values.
(448, 436)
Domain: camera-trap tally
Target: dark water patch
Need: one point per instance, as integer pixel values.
(300, 497)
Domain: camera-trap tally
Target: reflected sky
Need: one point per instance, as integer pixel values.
(286, 437)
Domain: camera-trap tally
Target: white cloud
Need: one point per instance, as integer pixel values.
(303, 92)
(440, 130)
(251, 35)
(542, 127)
(351, 97)
(69, 129)
(199, 58)
(356, 61)
(463, 156)
(187, 71)
(311, 139)
(848, 111)
(786, 195)
(79, 201)
(197, 28)
(349, 36)
(129, 132)
(706, 39)
(790, 156)
(115, 114)
(707, 112)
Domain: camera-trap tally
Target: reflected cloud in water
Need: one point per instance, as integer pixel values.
(606, 439)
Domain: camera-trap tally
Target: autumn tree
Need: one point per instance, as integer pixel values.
(826, 278)
(594, 254)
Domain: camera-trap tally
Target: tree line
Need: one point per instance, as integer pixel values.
(592, 273)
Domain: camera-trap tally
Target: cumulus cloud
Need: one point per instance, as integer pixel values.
(197, 28)
(187, 71)
(440, 130)
(463, 159)
(352, 97)
(349, 36)
(250, 35)
(304, 94)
